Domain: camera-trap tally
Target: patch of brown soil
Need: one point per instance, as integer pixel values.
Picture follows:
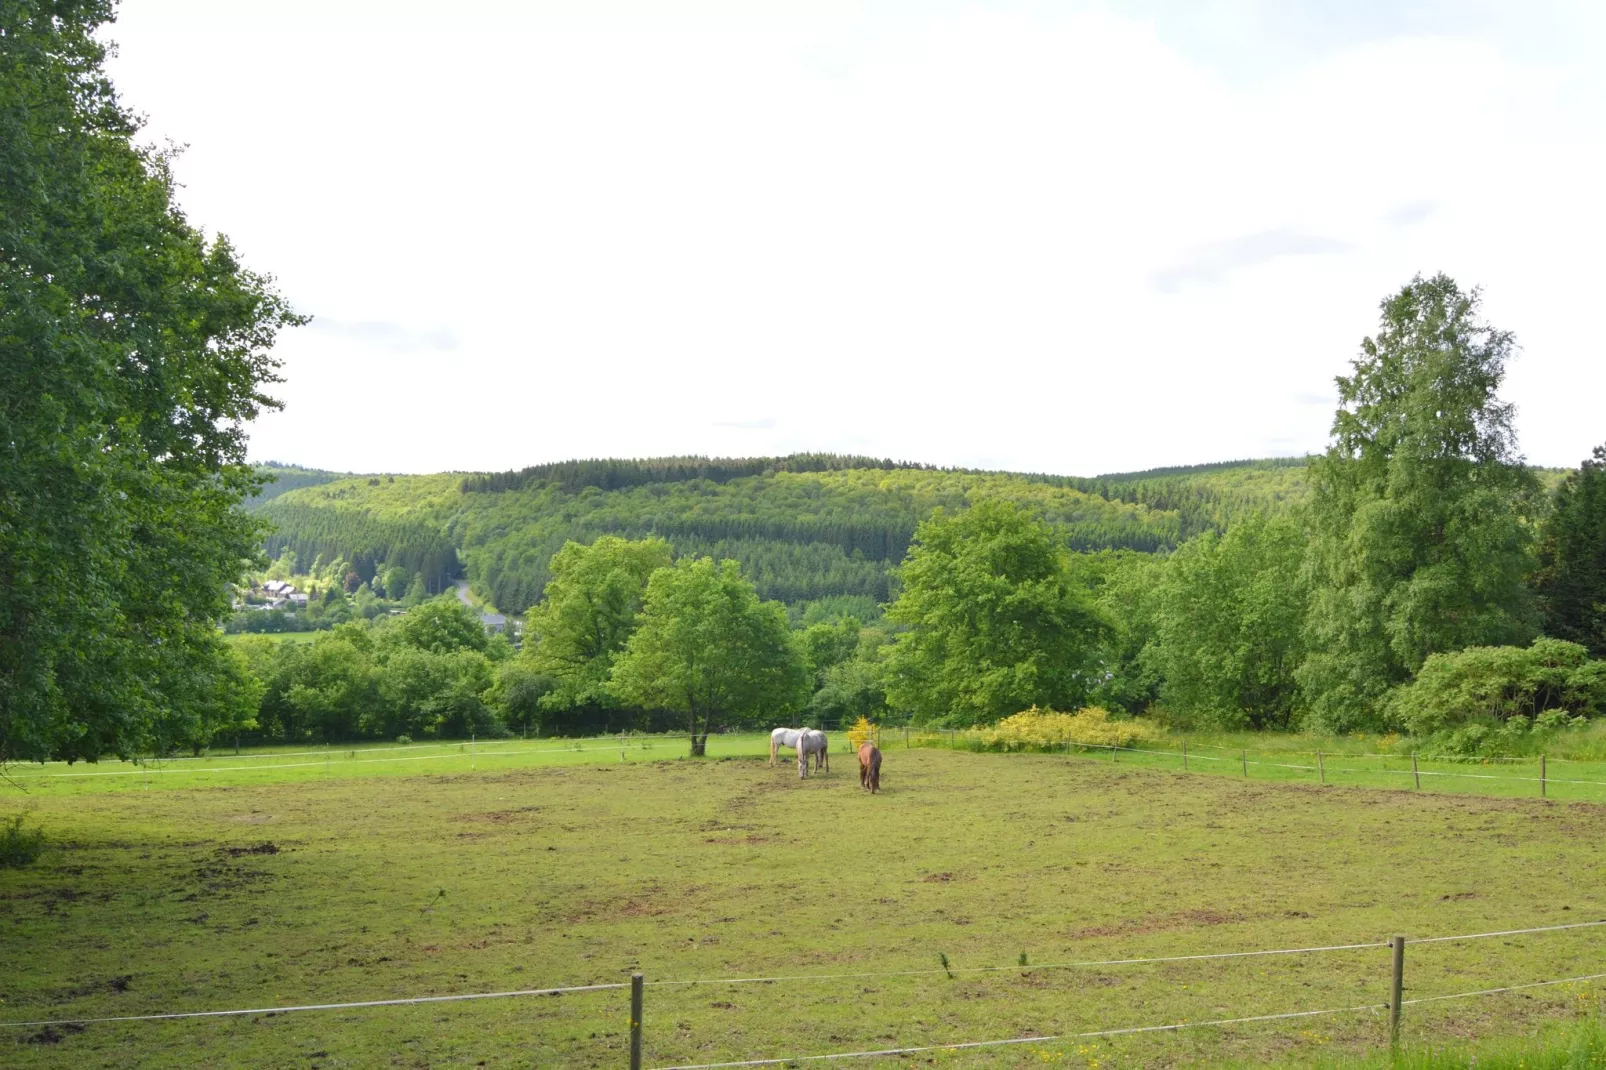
(1186, 919)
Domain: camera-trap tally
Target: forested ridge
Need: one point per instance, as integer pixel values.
(803, 527)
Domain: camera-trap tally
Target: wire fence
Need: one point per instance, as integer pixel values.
(1322, 768)
(638, 984)
(467, 750)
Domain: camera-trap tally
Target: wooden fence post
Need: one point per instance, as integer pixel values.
(1542, 784)
(1321, 770)
(1184, 756)
(1416, 772)
(1243, 758)
(1396, 990)
(635, 1021)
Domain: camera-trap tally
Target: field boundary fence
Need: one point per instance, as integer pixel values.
(638, 984)
(1321, 767)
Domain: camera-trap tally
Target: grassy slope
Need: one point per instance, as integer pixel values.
(512, 878)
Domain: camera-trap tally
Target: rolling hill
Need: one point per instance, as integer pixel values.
(804, 527)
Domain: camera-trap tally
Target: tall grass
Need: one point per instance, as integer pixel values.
(19, 846)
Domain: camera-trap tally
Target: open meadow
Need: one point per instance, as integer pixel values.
(298, 885)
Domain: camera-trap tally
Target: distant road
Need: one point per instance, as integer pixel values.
(494, 621)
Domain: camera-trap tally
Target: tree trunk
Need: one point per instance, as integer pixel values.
(699, 743)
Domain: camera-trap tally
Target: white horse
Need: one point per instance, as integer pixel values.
(783, 737)
(812, 741)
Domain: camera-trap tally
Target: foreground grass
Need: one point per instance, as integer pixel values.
(1578, 1045)
(331, 887)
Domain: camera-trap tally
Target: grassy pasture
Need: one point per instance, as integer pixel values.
(571, 867)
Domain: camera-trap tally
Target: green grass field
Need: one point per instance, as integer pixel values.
(545, 865)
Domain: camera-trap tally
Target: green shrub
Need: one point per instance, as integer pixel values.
(1552, 680)
(19, 846)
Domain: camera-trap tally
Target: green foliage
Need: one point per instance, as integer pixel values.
(20, 845)
(518, 693)
(1125, 592)
(801, 535)
(1496, 684)
(133, 349)
(361, 539)
(279, 478)
(825, 646)
(708, 648)
(1228, 612)
(430, 673)
(834, 607)
(588, 612)
(1572, 558)
(1419, 509)
(426, 693)
(441, 626)
(998, 619)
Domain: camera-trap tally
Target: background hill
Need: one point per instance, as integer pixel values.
(804, 527)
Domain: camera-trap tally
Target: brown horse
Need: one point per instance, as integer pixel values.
(870, 767)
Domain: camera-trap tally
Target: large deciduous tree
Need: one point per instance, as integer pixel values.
(587, 613)
(997, 619)
(1572, 558)
(706, 647)
(1420, 509)
(1228, 616)
(132, 350)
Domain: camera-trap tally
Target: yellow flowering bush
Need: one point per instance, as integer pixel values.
(1036, 729)
(861, 732)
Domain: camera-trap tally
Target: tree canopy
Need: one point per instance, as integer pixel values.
(1420, 509)
(997, 619)
(132, 351)
(1571, 581)
(1229, 611)
(588, 613)
(707, 648)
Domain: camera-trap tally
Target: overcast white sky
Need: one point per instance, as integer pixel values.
(1071, 237)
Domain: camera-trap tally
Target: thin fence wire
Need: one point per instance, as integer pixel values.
(1018, 968)
(463, 750)
(1132, 1030)
(568, 743)
(1099, 748)
(561, 990)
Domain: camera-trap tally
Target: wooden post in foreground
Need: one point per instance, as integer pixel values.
(1184, 756)
(1321, 770)
(1416, 772)
(635, 1021)
(1396, 990)
(1243, 759)
(1542, 784)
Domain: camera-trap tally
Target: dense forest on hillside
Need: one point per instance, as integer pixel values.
(279, 479)
(803, 528)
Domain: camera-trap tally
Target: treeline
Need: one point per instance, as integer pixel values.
(364, 541)
(279, 479)
(798, 535)
(612, 474)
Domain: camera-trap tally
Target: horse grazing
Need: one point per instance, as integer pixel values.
(870, 767)
(812, 741)
(783, 737)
